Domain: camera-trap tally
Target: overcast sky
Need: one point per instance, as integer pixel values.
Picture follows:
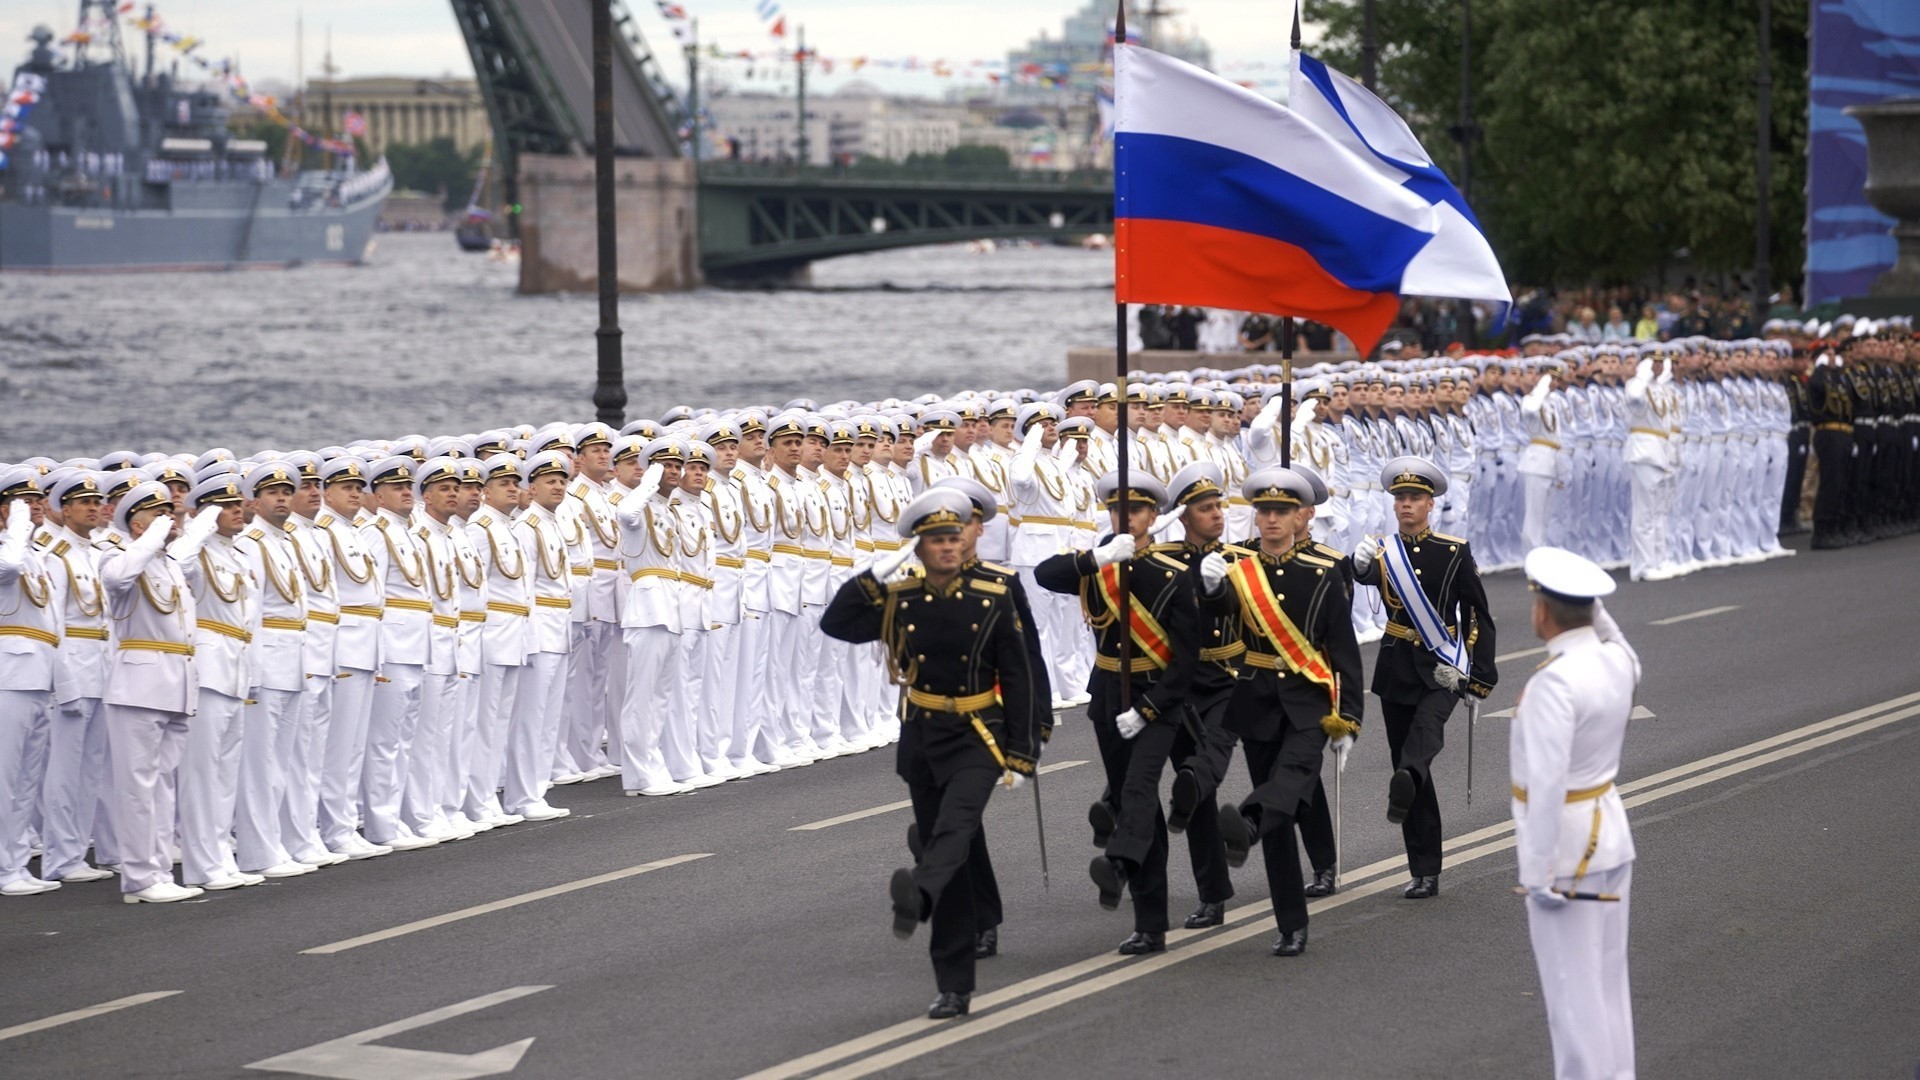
(420, 37)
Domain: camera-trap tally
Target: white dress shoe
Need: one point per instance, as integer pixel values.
(478, 825)
(439, 830)
(28, 886)
(166, 892)
(355, 848)
(1081, 698)
(666, 789)
(88, 873)
(407, 842)
(286, 870)
(500, 819)
(543, 812)
(232, 881)
(603, 772)
(701, 780)
(571, 778)
(321, 858)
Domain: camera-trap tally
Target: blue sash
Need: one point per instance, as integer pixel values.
(1426, 620)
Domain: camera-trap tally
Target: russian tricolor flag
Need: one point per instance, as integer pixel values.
(1223, 198)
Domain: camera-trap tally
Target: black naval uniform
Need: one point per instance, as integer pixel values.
(1284, 718)
(1204, 747)
(1161, 588)
(1413, 704)
(1316, 820)
(1799, 440)
(971, 714)
(1830, 407)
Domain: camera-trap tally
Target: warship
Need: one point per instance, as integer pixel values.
(103, 170)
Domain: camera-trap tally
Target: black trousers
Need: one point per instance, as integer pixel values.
(1890, 473)
(1316, 829)
(1830, 504)
(1416, 732)
(949, 819)
(986, 888)
(1296, 752)
(1140, 832)
(1797, 443)
(1206, 747)
(1860, 506)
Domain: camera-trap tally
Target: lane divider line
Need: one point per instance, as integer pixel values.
(87, 1013)
(1701, 614)
(499, 905)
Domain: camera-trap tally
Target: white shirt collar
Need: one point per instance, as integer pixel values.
(1568, 639)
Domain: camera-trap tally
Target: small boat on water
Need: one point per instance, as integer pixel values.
(475, 231)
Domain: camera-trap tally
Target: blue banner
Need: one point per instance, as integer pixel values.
(1862, 51)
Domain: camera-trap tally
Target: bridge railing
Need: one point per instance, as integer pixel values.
(893, 173)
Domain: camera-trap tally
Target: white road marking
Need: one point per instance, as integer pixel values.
(934, 1036)
(1641, 712)
(499, 905)
(888, 808)
(1522, 654)
(353, 1057)
(87, 1013)
(1503, 714)
(1701, 614)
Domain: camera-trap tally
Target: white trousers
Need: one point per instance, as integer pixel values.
(819, 695)
(686, 698)
(1054, 646)
(1652, 493)
(145, 747)
(303, 761)
(755, 729)
(20, 712)
(788, 678)
(461, 736)
(653, 661)
(345, 754)
(1539, 502)
(1581, 951)
(533, 731)
(717, 713)
(499, 684)
(591, 698)
(390, 727)
(426, 764)
(209, 785)
(269, 727)
(73, 800)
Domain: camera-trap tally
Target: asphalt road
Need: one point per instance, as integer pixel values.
(1773, 932)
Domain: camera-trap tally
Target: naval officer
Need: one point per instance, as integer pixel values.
(1575, 850)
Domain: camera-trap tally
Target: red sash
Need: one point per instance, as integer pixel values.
(1263, 612)
(1148, 637)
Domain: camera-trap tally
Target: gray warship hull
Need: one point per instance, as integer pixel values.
(213, 235)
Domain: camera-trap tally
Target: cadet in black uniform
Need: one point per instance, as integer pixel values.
(1316, 820)
(1204, 747)
(1830, 407)
(1799, 440)
(1136, 734)
(1299, 683)
(957, 645)
(1417, 689)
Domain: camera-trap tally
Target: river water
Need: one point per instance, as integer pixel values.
(429, 340)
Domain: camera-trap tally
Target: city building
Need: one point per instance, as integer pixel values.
(855, 121)
(400, 109)
(1076, 61)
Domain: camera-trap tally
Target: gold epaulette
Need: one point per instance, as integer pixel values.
(904, 585)
(991, 588)
(289, 527)
(256, 534)
(1312, 560)
(42, 538)
(1003, 571)
(1172, 562)
(324, 521)
(1445, 539)
(1235, 551)
(380, 523)
(1328, 551)
(61, 548)
(1165, 549)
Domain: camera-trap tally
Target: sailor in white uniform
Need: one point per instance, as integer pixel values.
(1575, 850)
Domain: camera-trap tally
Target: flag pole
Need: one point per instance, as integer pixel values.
(1125, 579)
(1286, 321)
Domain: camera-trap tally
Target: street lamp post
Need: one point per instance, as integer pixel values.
(610, 388)
(1763, 169)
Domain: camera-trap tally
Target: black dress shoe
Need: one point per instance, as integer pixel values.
(1141, 942)
(1400, 796)
(1111, 878)
(1291, 943)
(1186, 796)
(1100, 816)
(986, 943)
(906, 903)
(1322, 884)
(1424, 888)
(948, 1006)
(1206, 915)
(1235, 835)
(914, 846)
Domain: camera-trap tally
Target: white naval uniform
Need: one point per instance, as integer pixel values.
(1650, 460)
(651, 616)
(784, 724)
(426, 769)
(534, 729)
(31, 617)
(693, 561)
(460, 796)
(884, 483)
(1543, 466)
(406, 624)
(593, 697)
(756, 713)
(723, 729)
(304, 781)
(356, 660)
(503, 652)
(78, 778)
(1571, 831)
(226, 613)
(1045, 503)
(819, 679)
(272, 720)
(991, 466)
(152, 688)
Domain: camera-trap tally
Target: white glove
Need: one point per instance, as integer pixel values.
(194, 535)
(1303, 413)
(1449, 677)
(1115, 550)
(1166, 521)
(1269, 414)
(1666, 369)
(1545, 384)
(1340, 747)
(1825, 359)
(1546, 898)
(1213, 571)
(1364, 552)
(1130, 723)
(1013, 781)
(19, 519)
(924, 442)
(887, 565)
(1644, 372)
(650, 480)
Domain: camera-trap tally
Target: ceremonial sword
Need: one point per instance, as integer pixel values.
(1040, 826)
(1338, 850)
(1473, 713)
(1610, 898)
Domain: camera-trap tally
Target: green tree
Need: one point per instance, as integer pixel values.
(436, 165)
(1619, 134)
